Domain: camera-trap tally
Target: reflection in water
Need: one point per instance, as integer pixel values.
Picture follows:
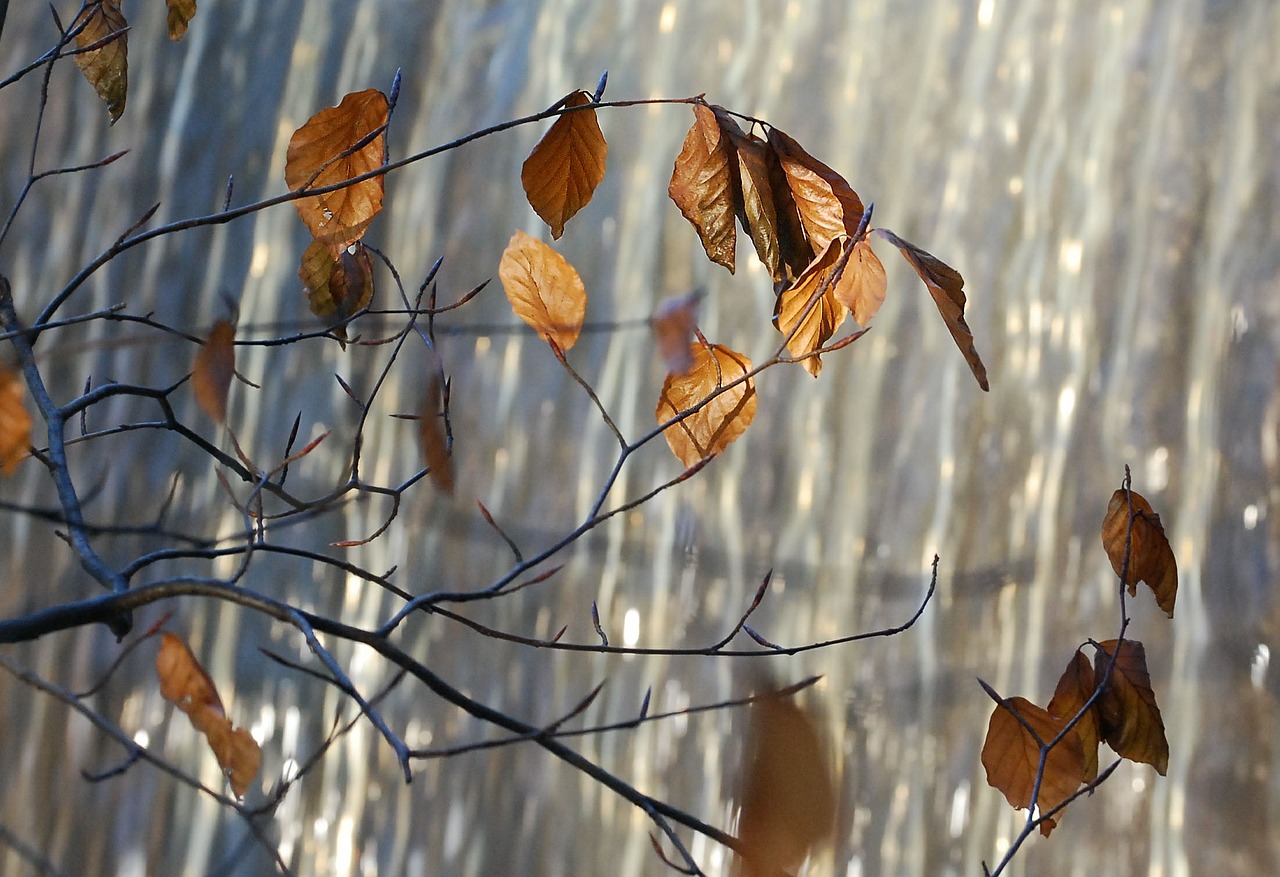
(1103, 174)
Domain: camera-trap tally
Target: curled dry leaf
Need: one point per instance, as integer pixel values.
(564, 168)
(827, 205)
(674, 323)
(809, 326)
(321, 154)
(1151, 557)
(431, 432)
(947, 288)
(180, 14)
(107, 66)
(184, 683)
(862, 286)
(337, 288)
(720, 422)
(544, 289)
(1011, 756)
(214, 367)
(1075, 687)
(787, 799)
(1129, 720)
(15, 422)
(702, 186)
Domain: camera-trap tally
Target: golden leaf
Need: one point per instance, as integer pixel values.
(107, 66)
(1075, 687)
(1151, 557)
(827, 205)
(702, 186)
(808, 327)
(566, 165)
(862, 286)
(1011, 756)
(214, 367)
(337, 289)
(1129, 719)
(719, 422)
(180, 14)
(544, 289)
(15, 422)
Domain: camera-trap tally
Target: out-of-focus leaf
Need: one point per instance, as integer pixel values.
(180, 14)
(673, 325)
(107, 66)
(337, 288)
(721, 421)
(1075, 687)
(564, 168)
(320, 152)
(544, 289)
(214, 367)
(184, 683)
(15, 422)
(813, 326)
(947, 288)
(1011, 757)
(1129, 719)
(1151, 557)
(862, 286)
(431, 432)
(787, 800)
(827, 204)
(702, 186)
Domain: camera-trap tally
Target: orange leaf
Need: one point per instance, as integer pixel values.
(566, 165)
(180, 14)
(720, 422)
(1075, 687)
(827, 205)
(673, 325)
(1011, 756)
(787, 800)
(544, 289)
(947, 288)
(106, 67)
(337, 288)
(862, 286)
(809, 328)
(184, 683)
(702, 186)
(431, 432)
(15, 422)
(1151, 557)
(1129, 719)
(213, 370)
(320, 154)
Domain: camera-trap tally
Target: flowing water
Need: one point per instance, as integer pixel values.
(1104, 175)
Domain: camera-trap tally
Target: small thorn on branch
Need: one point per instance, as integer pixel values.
(595, 622)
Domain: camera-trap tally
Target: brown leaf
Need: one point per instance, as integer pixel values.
(213, 370)
(827, 205)
(862, 286)
(1075, 687)
(337, 289)
(812, 326)
(320, 155)
(1011, 756)
(184, 683)
(787, 800)
(431, 432)
(15, 422)
(566, 165)
(673, 325)
(722, 420)
(544, 289)
(107, 66)
(947, 288)
(1151, 557)
(180, 14)
(702, 186)
(1129, 719)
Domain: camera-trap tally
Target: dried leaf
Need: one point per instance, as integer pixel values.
(107, 66)
(1011, 756)
(566, 165)
(827, 205)
(1129, 719)
(1151, 557)
(544, 289)
(214, 367)
(720, 422)
(702, 186)
(15, 422)
(862, 286)
(673, 325)
(180, 14)
(947, 288)
(431, 432)
(320, 153)
(1075, 687)
(184, 683)
(337, 289)
(787, 800)
(812, 326)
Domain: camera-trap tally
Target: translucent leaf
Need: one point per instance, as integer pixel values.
(564, 168)
(320, 154)
(337, 288)
(214, 367)
(431, 433)
(827, 205)
(544, 289)
(1075, 687)
(107, 66)
(1151, 557)
(862, 286)
(673, 325)
(180, 14)
(813, 326)
(1129, 719)
(1011, 756)
(15, 422)
(702, 186)
(720, 422)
